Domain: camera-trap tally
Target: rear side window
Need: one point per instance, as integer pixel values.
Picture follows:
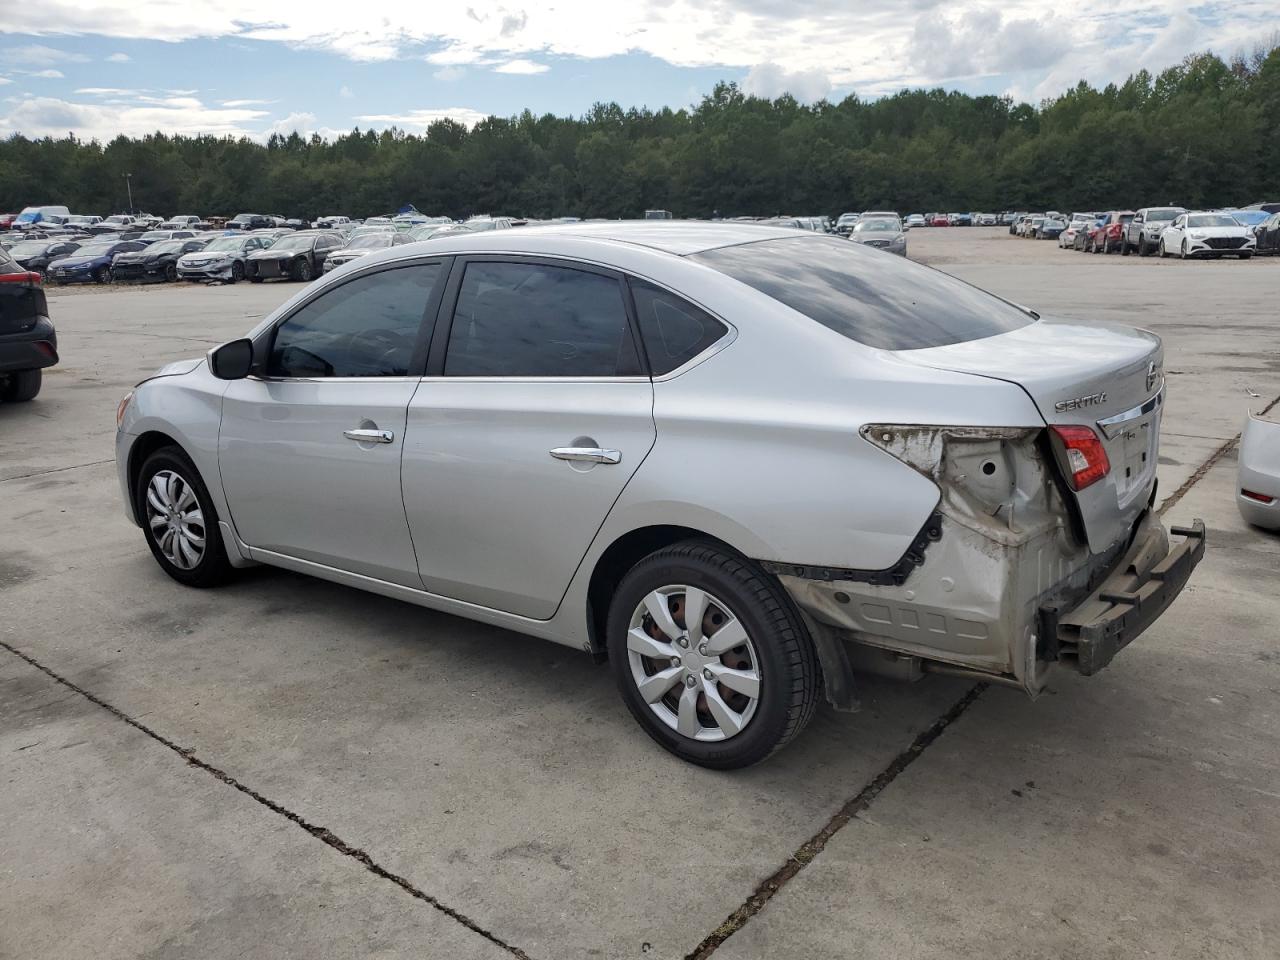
(537, 320)
(674, 331)
(867, 295)
(366, 327)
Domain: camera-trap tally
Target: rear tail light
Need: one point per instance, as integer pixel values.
(1087, 461)
(28, 276)
(1259, 497)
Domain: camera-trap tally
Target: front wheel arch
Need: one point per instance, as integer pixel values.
(146, 444)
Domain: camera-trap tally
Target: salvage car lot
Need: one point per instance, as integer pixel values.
(500, 779)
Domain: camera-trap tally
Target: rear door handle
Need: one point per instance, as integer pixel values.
(587, 454)
(369, 436)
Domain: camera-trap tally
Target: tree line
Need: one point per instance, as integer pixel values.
(1205, 133)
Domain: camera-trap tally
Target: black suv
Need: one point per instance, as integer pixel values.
(28, 343)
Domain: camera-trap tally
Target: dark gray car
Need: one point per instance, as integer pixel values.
(297, 256)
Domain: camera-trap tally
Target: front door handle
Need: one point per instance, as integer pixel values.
(369, 436)
(587, 454)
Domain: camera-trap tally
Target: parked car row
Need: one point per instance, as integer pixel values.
(1167, 231)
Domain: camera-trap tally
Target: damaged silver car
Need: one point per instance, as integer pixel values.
(740, 463)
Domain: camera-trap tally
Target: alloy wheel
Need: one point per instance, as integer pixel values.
(693, 663)
(176, 519)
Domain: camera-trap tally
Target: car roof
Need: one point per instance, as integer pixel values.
(679, 237)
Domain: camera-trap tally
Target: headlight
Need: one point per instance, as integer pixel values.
(1196, 236)
(122, 408)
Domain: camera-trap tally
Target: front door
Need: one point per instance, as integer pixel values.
(525, 435)
(310, 451)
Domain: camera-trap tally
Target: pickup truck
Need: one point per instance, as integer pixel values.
(1110, 236)
(1142, 233)
(28, 343)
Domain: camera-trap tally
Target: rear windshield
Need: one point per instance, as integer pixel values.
(883, 302)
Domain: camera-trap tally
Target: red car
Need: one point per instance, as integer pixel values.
(1108, 237)
(940, 220)
(6, 220)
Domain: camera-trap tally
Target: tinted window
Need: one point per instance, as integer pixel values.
(533, 320)
(366, 327)
(674, 331)
(884, 302)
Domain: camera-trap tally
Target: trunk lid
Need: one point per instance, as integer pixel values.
(1106, 377)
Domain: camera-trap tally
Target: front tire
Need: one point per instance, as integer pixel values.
(179, 520)
(21, 386)
(710, 656)
(237, 272)
(102, 275)
(171, 273)
(302, 269)
(1182, 254)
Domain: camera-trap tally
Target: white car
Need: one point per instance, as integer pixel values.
(1207, 235)
(1258, 487)
(734, 460)
(223, 259)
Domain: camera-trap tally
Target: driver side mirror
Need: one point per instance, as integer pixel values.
(232, 361)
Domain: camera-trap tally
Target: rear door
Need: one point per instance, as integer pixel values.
(310, 446)
(535, 415)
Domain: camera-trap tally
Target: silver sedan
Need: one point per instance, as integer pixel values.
(883, 233)
(738, 462)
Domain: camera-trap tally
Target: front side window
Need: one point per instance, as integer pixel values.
(883, 302)
(366, 327)
(674, 331)
(536, 320)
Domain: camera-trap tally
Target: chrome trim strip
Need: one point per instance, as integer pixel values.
(1107, 424)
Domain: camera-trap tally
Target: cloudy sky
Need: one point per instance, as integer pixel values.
(102, 67)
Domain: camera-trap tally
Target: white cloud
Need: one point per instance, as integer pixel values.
(35, 54)
(770, 80)
(245, 103)
(119, 58)
(51, 116)
(107, 92)
(449, 74)
(419, 120)
(42, 74)
(345, 92)
(873, 46)
(526, 67)
(4, 80)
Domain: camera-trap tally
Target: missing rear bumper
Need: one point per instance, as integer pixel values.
(1122, 607)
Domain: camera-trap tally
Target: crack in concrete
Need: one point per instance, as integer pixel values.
(42, 473)
(810, 849)
(323, 834)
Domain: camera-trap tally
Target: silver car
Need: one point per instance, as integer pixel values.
(882, 232)
(738, 462)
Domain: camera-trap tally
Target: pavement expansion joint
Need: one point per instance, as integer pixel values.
(322, 834)
(810, 849)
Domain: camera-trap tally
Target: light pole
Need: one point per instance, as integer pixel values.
(128, 185)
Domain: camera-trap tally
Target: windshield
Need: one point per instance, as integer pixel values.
(293, 243)
(96, 249)
(225, 243)
(883, 225)
(29, 248)
(166, 246)
(883, 302)
(370, 241)
(1212, 220)
(115, 218)
(1250, 218)
(1165, 213)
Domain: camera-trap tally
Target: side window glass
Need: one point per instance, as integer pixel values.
(674, 331)
(534, 320)
(366, 327)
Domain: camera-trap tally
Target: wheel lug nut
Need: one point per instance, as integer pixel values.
(675, 661)
(708, 675)
(702, 649)
(682, 641)
(690, 681)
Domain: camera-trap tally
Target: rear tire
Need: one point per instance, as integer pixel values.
(1162, 251)
(774, 649)
(21, 386)
(1246, 256)
(179, 520)
(1124, 247)
(1182, 253)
